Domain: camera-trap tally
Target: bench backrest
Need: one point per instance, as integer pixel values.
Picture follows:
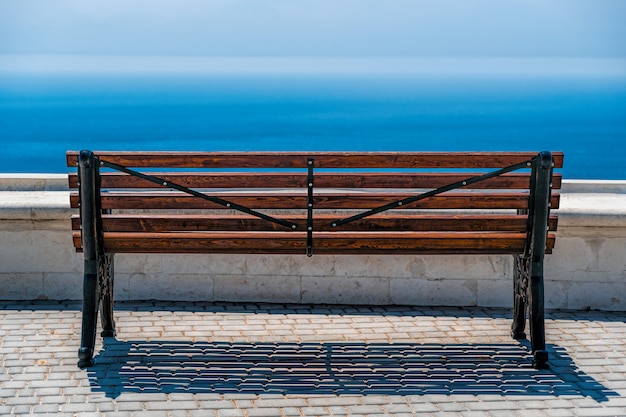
(330, 202)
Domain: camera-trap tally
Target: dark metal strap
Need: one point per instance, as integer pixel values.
(216, 200)
(409, 200)
(309, 220)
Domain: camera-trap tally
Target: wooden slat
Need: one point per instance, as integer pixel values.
(396, 221)
(324, 242)
(321, 201)
(242, 180)
(322, 159)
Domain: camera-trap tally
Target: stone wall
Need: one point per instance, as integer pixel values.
(586, 271)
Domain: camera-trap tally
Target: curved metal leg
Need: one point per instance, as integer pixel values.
(92, 251)
(537, 323)
(539, 213)
(91, 298)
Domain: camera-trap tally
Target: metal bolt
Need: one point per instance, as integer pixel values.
(334, 225)
(310, 162)
(399, 203)
(293, 226)
(165, 183)
(310, 204)
(464, 182)
(101, 163)
(310, 229)
(528, 164)
(227, 204)
(310, 184)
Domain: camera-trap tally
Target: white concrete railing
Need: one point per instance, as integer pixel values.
(586, 270)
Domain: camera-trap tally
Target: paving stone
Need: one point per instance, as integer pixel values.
(133, 405)
(365, 409)
(291, 411)
(314, 411)
(332, 400)
(475, 414)
(21, 400)
(215, 404)
(600, 412)
(231, 413)
(558, 412)
(263, 412)
(21, 409)
(336, 410)
(159, 413)
(46, 408)
(171, 405)
(501, 413)
(280, 402)
(202, 413)
(491, 405)
(179, 413)
(78, 408)
(397, 408)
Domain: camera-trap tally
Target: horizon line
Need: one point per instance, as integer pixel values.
(303, 65)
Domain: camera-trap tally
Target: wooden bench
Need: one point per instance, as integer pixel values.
(326, 203)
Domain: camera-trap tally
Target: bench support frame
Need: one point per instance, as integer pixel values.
(98, 273)
(528, 267)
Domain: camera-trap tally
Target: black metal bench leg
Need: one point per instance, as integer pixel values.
(90, 316)
(537, 323)
(93, 255)
(106, 303)
(540, 200)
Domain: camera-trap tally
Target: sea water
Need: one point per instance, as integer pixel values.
(44, 114)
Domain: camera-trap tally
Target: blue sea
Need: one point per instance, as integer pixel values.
(43, 114)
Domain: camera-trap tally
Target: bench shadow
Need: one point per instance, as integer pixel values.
(336, 368)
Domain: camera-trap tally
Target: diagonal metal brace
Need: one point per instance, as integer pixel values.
(413, 199)
(216, 200)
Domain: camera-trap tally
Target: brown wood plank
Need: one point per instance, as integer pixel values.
(322, 180)
(365, 201)
(322, 159)
(443, 241)
(324, 242)
(381, 222)
(331, 201)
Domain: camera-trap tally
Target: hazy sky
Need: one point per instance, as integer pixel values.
(371, 28)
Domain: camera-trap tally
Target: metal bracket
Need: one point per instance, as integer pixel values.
(432, 193)
(216, 200)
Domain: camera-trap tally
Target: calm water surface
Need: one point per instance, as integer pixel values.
(43, 115)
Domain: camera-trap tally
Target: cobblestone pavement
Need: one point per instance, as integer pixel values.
(223, 359)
